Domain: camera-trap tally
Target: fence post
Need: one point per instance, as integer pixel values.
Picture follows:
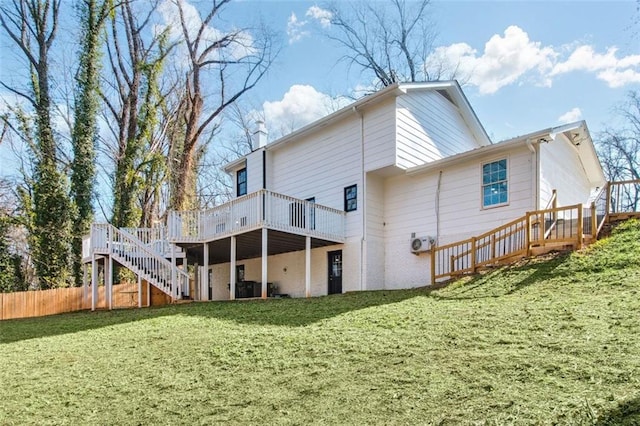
(608, 204)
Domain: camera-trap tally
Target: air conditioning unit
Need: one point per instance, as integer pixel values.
(420, 244)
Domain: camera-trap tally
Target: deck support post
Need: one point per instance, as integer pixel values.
(85, 284)
(232, 282)
(94, 281)
(175, 286)
(265, 254)
(204, 279)
(109, 279)
(307, 267)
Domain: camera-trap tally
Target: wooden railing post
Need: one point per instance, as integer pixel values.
(608, 204)
(580, 227)
(594, 221)
(473, 255)
(527, 234)
(433, 265)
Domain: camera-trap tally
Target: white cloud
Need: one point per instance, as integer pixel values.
(616, 72)
(323, 16)
(295, 29)
(513, 58)
(301, 105)
(505, 59)
(570, 116)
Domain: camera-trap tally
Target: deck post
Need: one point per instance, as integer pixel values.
(473, 255)
(204, 278)
(139, 291)
(594, 221)
(307, 267)
(265, 254)
(580, 228)
(608, 206)
(94, 281)
(109, 278)
(85, 284)
(527, 235)
(232, 278)
(433, 265)
(175, 286)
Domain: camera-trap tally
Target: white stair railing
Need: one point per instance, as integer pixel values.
(146, 262)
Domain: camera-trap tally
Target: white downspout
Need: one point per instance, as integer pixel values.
(438, 208)
(535, 174)
(364, 199)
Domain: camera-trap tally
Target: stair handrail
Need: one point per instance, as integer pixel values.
(176, 273)
(513, 239)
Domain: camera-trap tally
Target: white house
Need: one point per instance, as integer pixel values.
(410, 160)
(335, 206)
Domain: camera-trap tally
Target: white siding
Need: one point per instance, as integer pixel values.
(380, 135)
(429, 127)
(374, 238)
(254, 171)
(285, 270)
(410, 206)
(561, 169)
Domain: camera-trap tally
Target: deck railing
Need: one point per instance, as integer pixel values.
(252, 211)
(516, 238)
(624, 198)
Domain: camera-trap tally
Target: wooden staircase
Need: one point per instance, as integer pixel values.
(538, 232)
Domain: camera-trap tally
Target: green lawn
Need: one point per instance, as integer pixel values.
(538, 343)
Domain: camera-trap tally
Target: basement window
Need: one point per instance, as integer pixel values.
(495, 184)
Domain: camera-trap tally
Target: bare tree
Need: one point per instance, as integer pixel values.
(221, 67)
(619, 151)
(391, 40)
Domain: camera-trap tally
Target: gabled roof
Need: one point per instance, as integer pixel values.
(451, 90)
(577, 133)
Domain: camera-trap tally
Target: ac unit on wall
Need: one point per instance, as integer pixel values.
(420, 244)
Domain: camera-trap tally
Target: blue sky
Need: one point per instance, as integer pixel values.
(529, 64)
(536, 64)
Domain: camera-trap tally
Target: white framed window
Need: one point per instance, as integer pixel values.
(495, 183)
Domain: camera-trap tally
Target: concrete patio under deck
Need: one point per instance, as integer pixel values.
(249, 246)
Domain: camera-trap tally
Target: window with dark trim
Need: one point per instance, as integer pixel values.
(351, 198)
(495, 183)
(241, 184)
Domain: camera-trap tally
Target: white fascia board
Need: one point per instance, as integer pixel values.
(235, 165)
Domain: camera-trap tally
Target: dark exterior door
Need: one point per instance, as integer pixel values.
(335, 272)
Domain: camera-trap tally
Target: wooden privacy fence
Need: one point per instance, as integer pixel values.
(26, 304)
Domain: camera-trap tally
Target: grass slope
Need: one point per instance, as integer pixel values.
(542, 342)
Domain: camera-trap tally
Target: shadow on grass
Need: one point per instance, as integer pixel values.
(32, 328)
(300, 312)
(626, 413)
(279, 312)
(507, 279)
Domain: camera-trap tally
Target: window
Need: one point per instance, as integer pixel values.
(241, 186)
(494, 183)
(351, 198)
